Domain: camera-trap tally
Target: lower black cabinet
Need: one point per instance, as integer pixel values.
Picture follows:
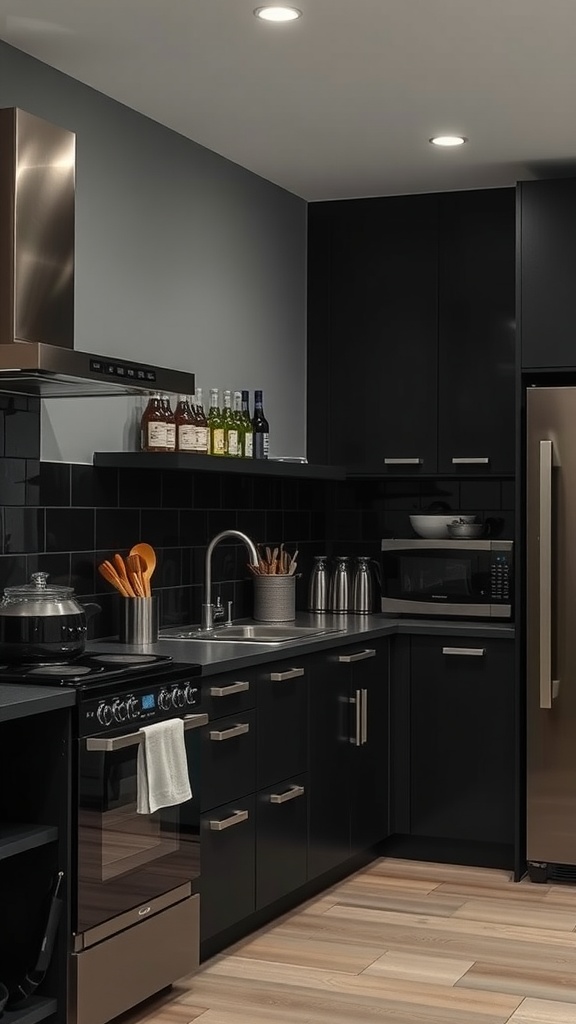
(282, 735)
(228, 871)
(348, 754)
(281, 839)
(462, 739)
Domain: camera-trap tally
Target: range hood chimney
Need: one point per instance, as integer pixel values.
(37, 357)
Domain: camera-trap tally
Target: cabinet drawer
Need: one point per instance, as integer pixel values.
(228, 758)
(281, 839)
(227, 882)
(282, 740)
(228, 694)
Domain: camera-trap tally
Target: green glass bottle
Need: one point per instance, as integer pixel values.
(248, 431)
(216, 426)
(230, 428)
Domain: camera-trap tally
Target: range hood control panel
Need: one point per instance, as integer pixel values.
(126, 371)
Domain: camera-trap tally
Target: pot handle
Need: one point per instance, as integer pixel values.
(91, 609)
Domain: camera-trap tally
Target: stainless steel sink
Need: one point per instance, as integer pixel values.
(254, 634)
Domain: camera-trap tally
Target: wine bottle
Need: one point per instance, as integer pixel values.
(230, 430)
(153, 426)
(261, 428)
(248, 429)
(184, 425)
(236, 432)
(217, 436)
(201, 433)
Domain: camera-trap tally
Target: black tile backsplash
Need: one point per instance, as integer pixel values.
(66, 520)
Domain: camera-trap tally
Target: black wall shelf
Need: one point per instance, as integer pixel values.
(216, 464)
(16, 839)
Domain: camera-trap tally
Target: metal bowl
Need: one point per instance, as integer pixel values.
(465, 531)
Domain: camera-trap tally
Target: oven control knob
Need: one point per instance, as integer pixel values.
(120, 710)
(164, 700)
(104, 714)
(133, 708)
(178, 697)
(191, 693)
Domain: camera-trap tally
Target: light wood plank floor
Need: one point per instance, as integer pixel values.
(400, 941)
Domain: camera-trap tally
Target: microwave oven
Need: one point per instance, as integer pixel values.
(453, 578)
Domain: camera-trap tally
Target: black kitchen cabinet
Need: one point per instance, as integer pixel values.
(547, 222)
(411, 333)
(281, 839)
(282, 737)
(228, 758)
(476, 325)
(373, 331)
(349, 753)
(461, 722)
(228, 867)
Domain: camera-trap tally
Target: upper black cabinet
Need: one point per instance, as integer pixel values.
(411, 333)
(476, 324)
(373, 331)
(547, 222)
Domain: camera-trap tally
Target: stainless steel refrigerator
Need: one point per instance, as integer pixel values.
(551, 632)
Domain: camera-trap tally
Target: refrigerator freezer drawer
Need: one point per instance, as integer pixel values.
(116, 974)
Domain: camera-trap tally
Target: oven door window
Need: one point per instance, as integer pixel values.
(125, 858)
(437, 576)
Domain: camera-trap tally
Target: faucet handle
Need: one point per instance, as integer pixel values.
(229, 619)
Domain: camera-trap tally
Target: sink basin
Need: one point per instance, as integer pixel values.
(254, 634)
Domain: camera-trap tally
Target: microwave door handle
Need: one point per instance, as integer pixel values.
(548, 687)
(109, 744)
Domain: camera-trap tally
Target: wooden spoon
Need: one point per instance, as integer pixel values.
(148, 556)
(136, 569)
(121, 570)
(107, 570)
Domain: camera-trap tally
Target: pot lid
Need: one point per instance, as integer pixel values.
(38, 590)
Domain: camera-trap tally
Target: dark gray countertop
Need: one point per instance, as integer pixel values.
(224, 656)
(19, 700)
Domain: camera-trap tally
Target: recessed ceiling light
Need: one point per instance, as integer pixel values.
(278, 13)
(448, 140)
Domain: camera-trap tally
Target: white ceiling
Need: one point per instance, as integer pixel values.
(342, 102)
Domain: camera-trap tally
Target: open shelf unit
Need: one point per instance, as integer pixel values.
(17, 838)
(216, 464)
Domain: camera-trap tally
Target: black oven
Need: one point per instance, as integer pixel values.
(452, 578)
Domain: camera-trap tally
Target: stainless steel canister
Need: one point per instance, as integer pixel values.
(138, 622)
(340, 586)
(318, 585)
(362, 587)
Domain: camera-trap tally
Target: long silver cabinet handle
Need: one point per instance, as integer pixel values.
(548, 686)
(467, 652)
(364, 733)
(109, 744)
(360, 656)
(290, 794)
(357, 701)
(403, 462)
(234, 819)
(227, 691)
(228, 734)
(470, 462)
(291, 673)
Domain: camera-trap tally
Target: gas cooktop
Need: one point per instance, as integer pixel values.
(90, 670)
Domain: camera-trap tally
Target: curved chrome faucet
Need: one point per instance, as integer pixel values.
(207, 606)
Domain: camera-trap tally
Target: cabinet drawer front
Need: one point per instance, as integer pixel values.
(282, 722)
(228, 759)
(281, 839)
(228, 694)
(227, 883)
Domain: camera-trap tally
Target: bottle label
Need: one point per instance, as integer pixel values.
(248, 445)
(265, 445)
(156, 435)
(171, 435)
(260, 445)
(186, 438)
(232, 442)
(218, 441)
(199, 439)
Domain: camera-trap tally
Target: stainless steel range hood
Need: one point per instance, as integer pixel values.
(37, 357)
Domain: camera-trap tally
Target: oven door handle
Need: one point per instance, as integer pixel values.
(111, 743)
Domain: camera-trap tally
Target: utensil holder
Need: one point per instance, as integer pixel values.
(274, 598)
(138, 620)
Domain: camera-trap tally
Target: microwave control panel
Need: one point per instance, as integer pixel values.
(500, 572)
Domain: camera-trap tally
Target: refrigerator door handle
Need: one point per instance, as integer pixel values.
(548, 687)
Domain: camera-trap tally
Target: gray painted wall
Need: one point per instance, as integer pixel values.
(182, 258)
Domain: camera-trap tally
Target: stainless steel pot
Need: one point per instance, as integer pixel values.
(39, 622)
